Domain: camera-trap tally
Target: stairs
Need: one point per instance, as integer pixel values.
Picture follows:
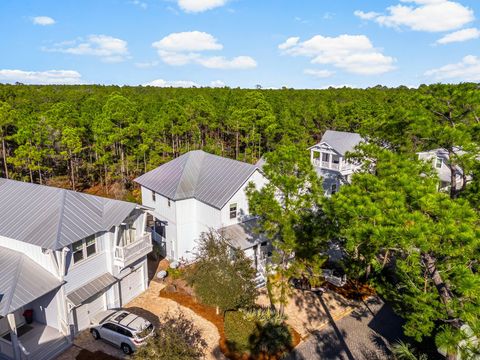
(260, 280)
(50, 351)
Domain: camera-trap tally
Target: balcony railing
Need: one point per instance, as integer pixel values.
(331, 166)
(127, 254)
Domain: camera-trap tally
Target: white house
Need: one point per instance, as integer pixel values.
(439, 158)
(197, 192)
(65, 256)
(328, 158)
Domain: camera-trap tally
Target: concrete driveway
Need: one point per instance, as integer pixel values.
(365, 334)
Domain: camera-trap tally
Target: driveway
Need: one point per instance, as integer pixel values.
(364, 334)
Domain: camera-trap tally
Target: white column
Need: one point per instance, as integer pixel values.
(330, 160)
(14, 336)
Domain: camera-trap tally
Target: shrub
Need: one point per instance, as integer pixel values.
(177, 339)
(238, 330)
(222, 276)
(263, 315)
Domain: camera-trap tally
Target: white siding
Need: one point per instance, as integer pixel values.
(88, 269)
(45, 310)
(33, 252)
(240, 198)
(187, 228)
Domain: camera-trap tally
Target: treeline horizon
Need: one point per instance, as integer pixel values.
(97, 134)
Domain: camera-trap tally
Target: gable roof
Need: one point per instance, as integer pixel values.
(341, 141)
(54, 218)
(206, 177)
(22, 280)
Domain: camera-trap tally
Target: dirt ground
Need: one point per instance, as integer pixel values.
(308, 312)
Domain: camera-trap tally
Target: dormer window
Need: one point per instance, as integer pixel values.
(438, 163)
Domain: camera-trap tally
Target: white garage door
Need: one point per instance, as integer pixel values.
(86, 311)
(132, 285)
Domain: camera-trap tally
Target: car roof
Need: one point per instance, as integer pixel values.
(129, 320)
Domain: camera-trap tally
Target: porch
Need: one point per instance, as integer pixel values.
(134, 250)
(36, 341)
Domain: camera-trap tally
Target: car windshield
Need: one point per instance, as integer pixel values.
(145, 332)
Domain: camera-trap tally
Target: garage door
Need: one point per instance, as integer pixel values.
(132, 285)
(86, 311)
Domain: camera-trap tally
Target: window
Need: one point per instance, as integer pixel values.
(233, 211)
(335, 159)
(334, 188)
(83, 249)
(77, 249)
(169, 203)
(438, 163)
(90, 245)
(325, 157)
(153, 196)
(110, 326)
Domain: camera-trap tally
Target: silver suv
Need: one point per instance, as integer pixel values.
(121, 328)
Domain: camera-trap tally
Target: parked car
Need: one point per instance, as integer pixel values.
(121, 328)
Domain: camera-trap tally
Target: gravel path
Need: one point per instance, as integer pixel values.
(365, 334)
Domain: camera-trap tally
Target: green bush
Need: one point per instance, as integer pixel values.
(238, 330)
(175, 273)
(245, 334)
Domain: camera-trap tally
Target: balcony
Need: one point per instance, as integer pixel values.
(339, 166)
(125, 255)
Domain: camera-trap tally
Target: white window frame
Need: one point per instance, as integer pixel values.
(85, 256)
(230, 211)
(438, 161)
(154, 196)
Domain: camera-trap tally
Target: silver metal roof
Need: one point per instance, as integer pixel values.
(22, 281)
(242, 236)
(53, 218)
(341, 141)
(206, 177)
(85, 292)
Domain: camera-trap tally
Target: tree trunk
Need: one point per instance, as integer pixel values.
(4, 153)
(72, 173)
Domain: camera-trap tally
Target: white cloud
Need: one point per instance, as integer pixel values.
(43, 20)
(352, 53)
(318, 73)
(139, 3)
(108, 48)
(196, 6)
(184, 48)
(41, 77)
(460, 35)
(174, 83)
(187, 41)
(423, 15)
(220, 62)
(466, 70)
(217, 83)
(146, 65)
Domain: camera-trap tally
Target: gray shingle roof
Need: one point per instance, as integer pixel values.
(54, 218)
(341, 141)
(85, 292)
(206, 177)
(22, 280)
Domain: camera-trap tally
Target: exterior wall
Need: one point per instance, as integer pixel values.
(187, 228)
(444, 172)
(240, 198)
(90, 268)
(45, 309)
(166, 213)
(33, 252)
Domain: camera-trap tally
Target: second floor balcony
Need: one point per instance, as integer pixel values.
(134, 250)
(330, 161)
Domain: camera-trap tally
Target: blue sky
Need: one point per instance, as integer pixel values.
(274, 43)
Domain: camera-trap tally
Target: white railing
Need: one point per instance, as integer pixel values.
(332, 166)
(141, 247)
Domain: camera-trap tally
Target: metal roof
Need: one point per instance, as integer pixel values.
(22, 281)
(341, 141)
(54, 218)
(206, 177)
(85, 292)
(243, 235)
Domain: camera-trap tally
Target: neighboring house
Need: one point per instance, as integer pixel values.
(440, 162)
(328, 158)
(65, 256)
(197, 192)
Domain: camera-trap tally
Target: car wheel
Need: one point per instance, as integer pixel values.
(127, 350)
(95, 334)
